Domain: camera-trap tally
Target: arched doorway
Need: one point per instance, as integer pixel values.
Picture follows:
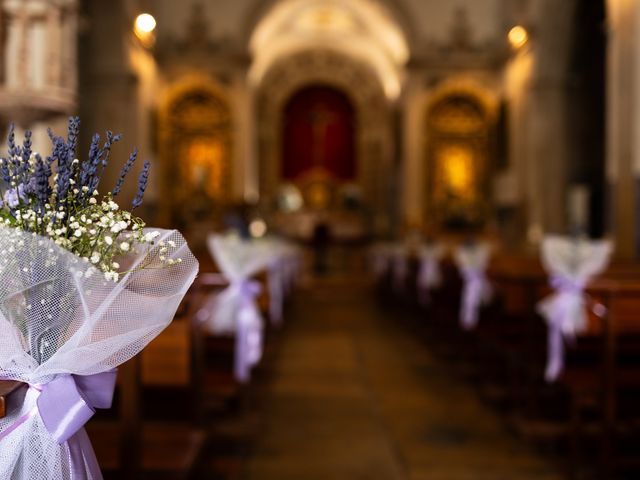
(318, 144)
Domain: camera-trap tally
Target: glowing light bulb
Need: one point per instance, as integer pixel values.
(144, 24)
(518, 36)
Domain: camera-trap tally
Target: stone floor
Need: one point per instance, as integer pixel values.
(348, 392)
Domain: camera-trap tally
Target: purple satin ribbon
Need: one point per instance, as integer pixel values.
(248, 349)
(65, 405)
(560, 327)
(475, 292)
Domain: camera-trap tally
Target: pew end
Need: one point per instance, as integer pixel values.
(7, 387)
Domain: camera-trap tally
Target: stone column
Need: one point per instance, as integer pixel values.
(623, 123)
(244, 143)
(108, 85)
(413, 181)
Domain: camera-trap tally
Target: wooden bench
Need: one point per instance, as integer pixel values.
(7, 387)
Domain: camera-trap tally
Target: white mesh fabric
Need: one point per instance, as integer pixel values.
(58, 315)
(576, 262)
(429, 275)
(473, 260)
(238, 260)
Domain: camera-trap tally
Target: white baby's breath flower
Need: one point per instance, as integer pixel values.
(150, 236)
(112, 276)
(124, 246)
(108, 240)
(95, 257)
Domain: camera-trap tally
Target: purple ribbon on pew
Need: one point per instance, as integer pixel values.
(248, 349)
(66, 404)
(560, 310)
(476, 292)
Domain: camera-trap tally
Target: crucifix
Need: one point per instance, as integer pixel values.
(320, 118)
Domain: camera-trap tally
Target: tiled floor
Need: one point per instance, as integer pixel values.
(351, 394)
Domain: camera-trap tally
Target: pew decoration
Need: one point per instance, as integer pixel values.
(472, 260)
(570, 263)
(235, 311)
(429, 272)
(83, 288)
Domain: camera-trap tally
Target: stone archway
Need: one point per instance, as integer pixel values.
(374, 143)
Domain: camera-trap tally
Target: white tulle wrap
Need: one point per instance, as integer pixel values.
(59, 317)
(472, 261)
(429, 273)
(234, 311)
(571, 263)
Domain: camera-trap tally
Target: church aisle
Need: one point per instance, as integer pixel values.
(348, 396)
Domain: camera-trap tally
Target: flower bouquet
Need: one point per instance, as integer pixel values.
(84, 286)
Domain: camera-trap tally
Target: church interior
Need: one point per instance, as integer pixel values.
(428, 209)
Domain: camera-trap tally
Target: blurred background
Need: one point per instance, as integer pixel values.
(515, 117)
(339, 124)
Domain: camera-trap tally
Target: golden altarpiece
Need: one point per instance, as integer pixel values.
(195, 131)
(459, 142)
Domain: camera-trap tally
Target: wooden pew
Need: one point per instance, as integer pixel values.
(132, 448)
(153, 430)
(7, 387)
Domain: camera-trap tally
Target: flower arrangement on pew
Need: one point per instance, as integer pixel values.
(84, 286)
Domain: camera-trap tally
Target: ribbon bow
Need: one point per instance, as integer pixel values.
(564, 313)
(475, 293)
(248, 351)
(65, 404)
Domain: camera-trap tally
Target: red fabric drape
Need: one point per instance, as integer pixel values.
(318, 133)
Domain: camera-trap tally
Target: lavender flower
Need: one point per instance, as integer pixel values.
(125, 170)
(142, 184)
(12, 197)
(11, 141)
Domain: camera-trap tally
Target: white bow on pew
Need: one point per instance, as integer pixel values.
(472, 261)
(234, 311)
(571, 263)
(429, 274)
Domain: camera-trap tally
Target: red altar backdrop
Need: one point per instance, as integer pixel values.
(318, 129)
